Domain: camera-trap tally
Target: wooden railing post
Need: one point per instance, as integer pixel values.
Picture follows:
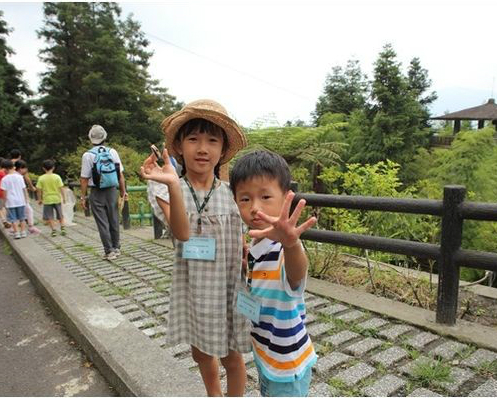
(448, 270)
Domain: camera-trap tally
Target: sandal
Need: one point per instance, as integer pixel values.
(54, 233)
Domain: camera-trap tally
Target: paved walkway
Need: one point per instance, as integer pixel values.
(37, 357)
(361, 354)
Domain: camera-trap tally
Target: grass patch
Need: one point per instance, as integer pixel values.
(487, 369)
(430, 374)
(6, 249)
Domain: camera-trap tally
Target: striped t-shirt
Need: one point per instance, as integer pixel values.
(281, 345)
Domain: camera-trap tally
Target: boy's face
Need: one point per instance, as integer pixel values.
(23, 171)
(259, 193)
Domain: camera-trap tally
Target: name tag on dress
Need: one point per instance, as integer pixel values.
(199, 249)
(248, 305)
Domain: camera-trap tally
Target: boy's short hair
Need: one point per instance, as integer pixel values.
(261, 164)
(21, 164)
(48, 164)
(15, 153)
(7, 164)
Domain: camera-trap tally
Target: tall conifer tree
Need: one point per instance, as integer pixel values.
(17, 123)
(98, 75)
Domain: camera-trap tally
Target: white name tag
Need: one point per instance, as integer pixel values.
(248, 305)
(199, 249)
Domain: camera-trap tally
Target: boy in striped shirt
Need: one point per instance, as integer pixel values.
(276, 275)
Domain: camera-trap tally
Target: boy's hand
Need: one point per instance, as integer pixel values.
(40, 202)
(284, 228)
(166, 174)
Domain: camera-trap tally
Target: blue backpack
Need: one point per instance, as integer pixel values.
(105, 173)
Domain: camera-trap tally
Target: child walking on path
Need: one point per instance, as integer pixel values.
(206, 223)
(16, 198)
(3, 212)
(51, 195)
(277, 270)
(22, 168)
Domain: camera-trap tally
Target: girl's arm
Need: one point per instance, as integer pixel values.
(39, 194)
(174, 211)
(26, 197)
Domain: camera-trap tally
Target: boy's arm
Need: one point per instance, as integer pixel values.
(284, 229)
(296, 264)
(29, 182)
(26, 197)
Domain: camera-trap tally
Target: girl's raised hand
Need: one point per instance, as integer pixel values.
(284, 228)
(166, 174)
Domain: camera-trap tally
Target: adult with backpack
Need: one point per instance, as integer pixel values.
(102, 171)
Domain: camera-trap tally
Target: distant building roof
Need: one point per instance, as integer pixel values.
(486, 111)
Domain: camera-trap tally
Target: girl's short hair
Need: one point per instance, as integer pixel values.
(202, 126)
(261, 164)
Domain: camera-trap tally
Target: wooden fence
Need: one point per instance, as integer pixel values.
(450, 257)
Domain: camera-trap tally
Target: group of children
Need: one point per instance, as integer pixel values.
(226, 298)
(15, 211)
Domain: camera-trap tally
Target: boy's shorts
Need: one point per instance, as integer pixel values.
(296, 388)
(16, 213)
(48, 211)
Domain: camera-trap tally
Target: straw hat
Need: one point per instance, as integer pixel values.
(211, 111)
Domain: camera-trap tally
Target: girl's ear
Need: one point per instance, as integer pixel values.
(177, 147)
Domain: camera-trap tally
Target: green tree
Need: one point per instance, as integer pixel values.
(97, 74)
(345, 90)
(18, 124)
(418, 84)
(392, 127)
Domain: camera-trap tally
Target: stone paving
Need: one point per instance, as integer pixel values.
(360, 354)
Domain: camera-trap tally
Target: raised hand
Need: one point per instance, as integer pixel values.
(166, 174)
(284, 228)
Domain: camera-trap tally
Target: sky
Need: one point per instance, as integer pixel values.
(268, 60)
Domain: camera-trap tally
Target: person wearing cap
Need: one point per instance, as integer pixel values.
(103, 201)
(207, 227)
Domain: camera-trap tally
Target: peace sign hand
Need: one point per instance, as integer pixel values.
(166, 174)
(284, 228)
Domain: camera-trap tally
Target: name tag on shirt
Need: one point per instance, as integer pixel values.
(248, 305)
(199, 249)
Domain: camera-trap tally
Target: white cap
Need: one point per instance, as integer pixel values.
(97, 134)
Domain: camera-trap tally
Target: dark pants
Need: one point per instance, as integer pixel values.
(103, 204)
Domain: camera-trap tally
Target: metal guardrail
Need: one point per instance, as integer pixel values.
(453, 211)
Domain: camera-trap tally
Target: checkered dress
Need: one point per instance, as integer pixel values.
(203, 295)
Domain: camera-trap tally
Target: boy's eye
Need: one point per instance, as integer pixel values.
(266, 197)
(243, 200)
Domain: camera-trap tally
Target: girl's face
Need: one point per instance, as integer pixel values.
(201, 152)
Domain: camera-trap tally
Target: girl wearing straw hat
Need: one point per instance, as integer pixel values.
(206, 224)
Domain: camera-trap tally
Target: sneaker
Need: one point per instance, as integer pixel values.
(62, 232)
(110, 256)
(17, 235)
(117, 251)
(33, 230)
(24, 234)
(54, 233)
